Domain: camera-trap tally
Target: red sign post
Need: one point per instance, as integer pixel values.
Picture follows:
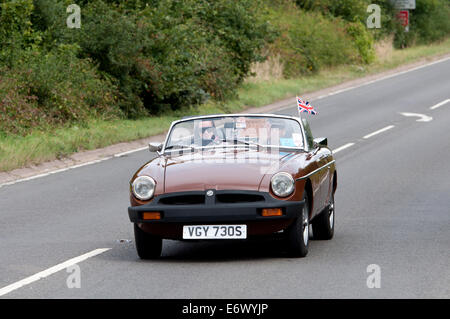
(403, 16)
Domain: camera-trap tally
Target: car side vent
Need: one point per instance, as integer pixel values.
(239, 198)
(183, 200)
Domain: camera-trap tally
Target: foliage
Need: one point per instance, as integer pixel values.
(134, 58)
(52, 89)
(309, 41)
(349, 10)
(430, 21)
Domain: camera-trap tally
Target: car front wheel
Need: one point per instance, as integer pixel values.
(147, 246)
(298, 232)
(323, 224)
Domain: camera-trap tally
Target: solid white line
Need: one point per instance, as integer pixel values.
(130, 152)
(54, 172)
(379, 131)
(439, 104)
(74, 166)
(50, 271)
(343, 147)
(382, 78)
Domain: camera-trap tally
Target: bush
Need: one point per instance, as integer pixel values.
(349, 10)
(52, 89)
(430, 21)
(363, 41)
(16, 31)
(309, 41)
(167, 54)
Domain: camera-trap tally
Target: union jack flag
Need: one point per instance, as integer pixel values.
(304, 106)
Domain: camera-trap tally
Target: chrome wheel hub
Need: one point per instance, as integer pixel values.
(305, 227)
(331, 215)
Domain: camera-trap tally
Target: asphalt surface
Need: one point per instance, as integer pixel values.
(392, 210)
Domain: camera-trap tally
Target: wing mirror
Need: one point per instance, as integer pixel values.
(155, 147)
(321, 141)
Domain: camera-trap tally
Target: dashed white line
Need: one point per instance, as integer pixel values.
(343, 147)
(50, 271)
(379, 131)
(439, 104)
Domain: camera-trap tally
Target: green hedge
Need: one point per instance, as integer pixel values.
(134, 58)
(429, 22)
(310, 40)
(166, 53)
(53, 89)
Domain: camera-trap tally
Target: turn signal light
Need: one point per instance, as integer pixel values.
(151, 215)
(266, 212)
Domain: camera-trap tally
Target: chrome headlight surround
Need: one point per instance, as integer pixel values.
(282, 184)
(143, 187)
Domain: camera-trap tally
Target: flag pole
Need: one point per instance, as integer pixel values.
(298, 108)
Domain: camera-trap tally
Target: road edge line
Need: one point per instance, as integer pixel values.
(50, 271)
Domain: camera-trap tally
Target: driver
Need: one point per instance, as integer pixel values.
(208, 133)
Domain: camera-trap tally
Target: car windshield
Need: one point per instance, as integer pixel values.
(230, 131)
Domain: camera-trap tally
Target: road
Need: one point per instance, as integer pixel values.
(392, 210)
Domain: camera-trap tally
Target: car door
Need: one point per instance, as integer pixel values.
(316, 160)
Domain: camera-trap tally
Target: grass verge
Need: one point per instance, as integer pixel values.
(46, 145)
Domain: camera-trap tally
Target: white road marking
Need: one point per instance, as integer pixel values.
(381, 79)
(422, 117)
(130, 152)
(55, 171)
(50, 271)
(379, 131)
(439, 104)
(74, 166)
(140, 149)
(343, 147)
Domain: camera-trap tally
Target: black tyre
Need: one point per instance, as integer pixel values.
(147, 246)
(298, 232)
(323, 224)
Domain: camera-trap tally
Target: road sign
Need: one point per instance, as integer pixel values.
(403, 16)
(404, 4)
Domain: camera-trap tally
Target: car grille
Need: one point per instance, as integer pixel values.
(238, 198)
(183, 200)
(222, 197)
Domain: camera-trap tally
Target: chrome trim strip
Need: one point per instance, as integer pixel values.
(315, 171)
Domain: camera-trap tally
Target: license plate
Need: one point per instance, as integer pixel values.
(215, 232)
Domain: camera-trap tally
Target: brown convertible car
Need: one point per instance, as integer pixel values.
(234, 176)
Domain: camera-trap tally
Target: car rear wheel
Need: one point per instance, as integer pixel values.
(323, 224)
(147, 246)
(298, 232)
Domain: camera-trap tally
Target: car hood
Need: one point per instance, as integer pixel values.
(221, 169)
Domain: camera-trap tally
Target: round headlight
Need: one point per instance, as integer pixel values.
(282, 184)
(143, 187)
